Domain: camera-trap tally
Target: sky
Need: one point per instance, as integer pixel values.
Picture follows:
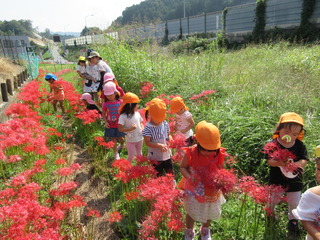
(65, 15)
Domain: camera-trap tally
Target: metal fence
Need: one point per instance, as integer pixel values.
(17, 49)
(239, 20)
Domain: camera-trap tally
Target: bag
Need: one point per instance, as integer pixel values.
(88, 82)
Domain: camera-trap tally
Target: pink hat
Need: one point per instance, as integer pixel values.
(109, 88)
(88, 98)
(108, 77)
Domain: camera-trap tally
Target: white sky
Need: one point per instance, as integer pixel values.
(65, 15)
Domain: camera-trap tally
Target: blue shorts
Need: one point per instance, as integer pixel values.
(113, 133)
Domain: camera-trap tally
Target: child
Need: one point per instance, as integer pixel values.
(56, 89)
(81, 67)
(202, 203)
(110, 77)
(288, 138)
(130, 122)
(111, 115)
(184, 120)
(308, 210)
(91, 105)
(156, 135)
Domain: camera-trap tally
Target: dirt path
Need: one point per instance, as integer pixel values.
(93, 190)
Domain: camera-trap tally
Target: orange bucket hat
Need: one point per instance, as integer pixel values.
(293, 118)
(176, 104)
(208, 135)
(129, 97)
(157, 110)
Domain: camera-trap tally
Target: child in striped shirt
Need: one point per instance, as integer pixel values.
(156, 134)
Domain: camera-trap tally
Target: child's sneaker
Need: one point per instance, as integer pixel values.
(189, 234)
(205, 233)
(116, 156)
(119, 148)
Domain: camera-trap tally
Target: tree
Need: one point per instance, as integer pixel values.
(91, 31)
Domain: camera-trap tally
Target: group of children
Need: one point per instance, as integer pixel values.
(202, 204)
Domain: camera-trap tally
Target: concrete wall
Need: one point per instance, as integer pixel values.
(9, 88)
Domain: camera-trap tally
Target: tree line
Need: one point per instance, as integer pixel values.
(16, 27)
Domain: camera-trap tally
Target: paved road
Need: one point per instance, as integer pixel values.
(57, 58)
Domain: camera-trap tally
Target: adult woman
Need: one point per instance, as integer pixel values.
(96, 68)
(94, 71)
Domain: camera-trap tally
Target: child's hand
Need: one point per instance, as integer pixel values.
(106, 125)
(133, 126)
(282, 163)
(162, 147)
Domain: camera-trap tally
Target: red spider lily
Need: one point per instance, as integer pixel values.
(93, 213)
(165, 200)
(60, 161)
(178, 141)
(23, 132)
(88, 116)
(146, 88)
(58, 148)
(102, 142)
(131, 196)
(127, 171)
(67, 171)
(122, 164)
(31, 93)
(63, 189)
(99, 139)
(114, 217)
(13, 159)
(275, 152)
(140, 159)
(203, 95)
(264, 195)
(75, 166)
(76, 202)
(224, 180)
(291, 167)
(178, 156)
(21, 110)
(54, 132)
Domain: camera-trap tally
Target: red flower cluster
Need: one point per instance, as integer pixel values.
(93, 213)
(264, 195)
(67, 171)
(102, 142)
(88, 116)
(224, 180)
(165, 200)
(203, 94)
(128, 172)
(146, 88)
(178, 141)
(21, 214)
(114, 217)
(276, 152)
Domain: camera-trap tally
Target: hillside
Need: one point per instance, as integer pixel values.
(154, 10)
